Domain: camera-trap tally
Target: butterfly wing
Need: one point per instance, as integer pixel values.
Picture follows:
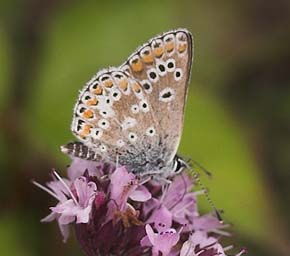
(136, 111)
(163, 68)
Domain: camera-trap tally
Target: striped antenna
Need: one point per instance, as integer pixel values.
(200, 184)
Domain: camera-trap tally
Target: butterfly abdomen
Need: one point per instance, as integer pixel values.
(78, 149)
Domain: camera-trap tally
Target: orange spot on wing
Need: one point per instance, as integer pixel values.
(169, 46)
(158, 51)
(137, 65)
(92, 102)
(99, 90)
(108, 83)
(86, 130)
(148, 59)
(123, 84)
(182, 47)
(88, 114)
(136, 87)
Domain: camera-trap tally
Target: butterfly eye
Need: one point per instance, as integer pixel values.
(178, 74)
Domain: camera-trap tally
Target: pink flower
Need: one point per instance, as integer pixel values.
(123, 186)
(200, 244)
(57, 190)
(166, 237)
(70, 207)
(79, 166)
(77, 208)
(180, 200)
(114, 215)
(161, 241)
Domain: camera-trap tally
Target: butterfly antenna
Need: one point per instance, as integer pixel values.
(200, 184)
(207, 172)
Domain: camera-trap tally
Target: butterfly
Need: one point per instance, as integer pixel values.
(134, 113)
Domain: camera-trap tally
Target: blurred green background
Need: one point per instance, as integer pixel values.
(237, 118)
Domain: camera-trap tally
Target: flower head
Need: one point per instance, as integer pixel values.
(79, 206)
(123, 186)
(114, 214)
(161, 241)
(200, 244)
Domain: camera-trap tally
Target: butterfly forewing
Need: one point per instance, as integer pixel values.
(135, 111)
(163, 68)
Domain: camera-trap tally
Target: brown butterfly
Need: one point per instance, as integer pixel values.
(134, 113)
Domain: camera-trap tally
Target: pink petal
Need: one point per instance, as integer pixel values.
(162, 241)
(83, 215)
(68, 207)
(200, 237)
(206, 223)
(149, 205)
(141, 194)
(64, 230)
(187, 249)
(65, 219)
(122, 185)
(145, 241)
(51, 217)
(58, 188)
(166, 240)
(79, 166)
(150, 234)
(162, 218)
(85, 190)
